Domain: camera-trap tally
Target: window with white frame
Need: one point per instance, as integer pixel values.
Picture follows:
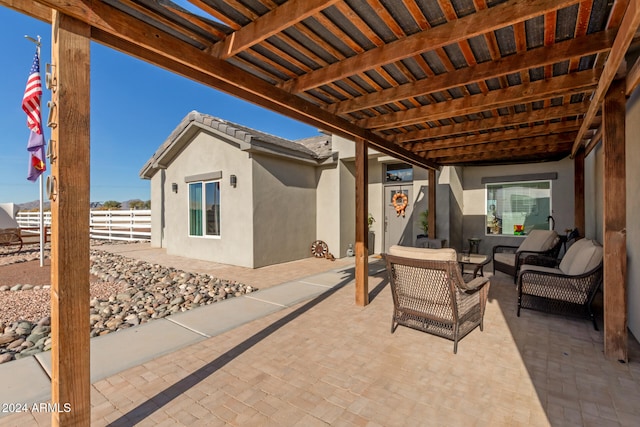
(204, 208)
(516, 208)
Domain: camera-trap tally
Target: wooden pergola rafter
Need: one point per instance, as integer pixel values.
(457, 83)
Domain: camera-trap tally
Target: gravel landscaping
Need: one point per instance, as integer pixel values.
(124, 293)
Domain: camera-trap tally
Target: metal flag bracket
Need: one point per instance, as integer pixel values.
(51, 155)
(52, 115)
(52, 188)
(50, 80)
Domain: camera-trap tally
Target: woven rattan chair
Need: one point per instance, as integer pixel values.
(569, 288)
(430, 295)
(509, 259)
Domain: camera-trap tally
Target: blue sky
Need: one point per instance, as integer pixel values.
(134, 107)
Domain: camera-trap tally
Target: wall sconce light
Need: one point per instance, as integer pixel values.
(233, 180)
(174, 187)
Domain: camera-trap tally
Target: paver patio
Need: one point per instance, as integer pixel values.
(330, 362)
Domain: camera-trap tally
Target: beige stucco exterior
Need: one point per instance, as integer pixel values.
(633, 211)
(283, 214)
(237, 228)
(474, 205)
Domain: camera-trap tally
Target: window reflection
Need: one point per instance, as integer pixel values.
(399, 172)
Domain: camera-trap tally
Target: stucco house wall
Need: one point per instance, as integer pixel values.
(633, 211)
(450, 184)
(594, 205)
(335, 196)
(593, 194)
(236, 204)
(345, 193)
(328, 208)
(284, 210)
(347, 196)
(474, 206)
(157, 215)
(376, 204)
(268, 216)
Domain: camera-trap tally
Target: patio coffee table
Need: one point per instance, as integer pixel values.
(476, 260)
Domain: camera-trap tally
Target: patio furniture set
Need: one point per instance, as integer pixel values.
(432, 294)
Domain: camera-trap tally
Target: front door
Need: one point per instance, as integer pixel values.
(398, 229)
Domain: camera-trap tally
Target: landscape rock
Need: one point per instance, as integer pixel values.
(7, 338)
(147, 291)
(23, 328)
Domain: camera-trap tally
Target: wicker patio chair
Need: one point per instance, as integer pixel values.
(509, 259)
(569, 288)
(430, 295)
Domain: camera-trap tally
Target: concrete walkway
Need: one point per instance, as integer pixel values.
(301, 353)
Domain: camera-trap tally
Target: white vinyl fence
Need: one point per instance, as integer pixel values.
(106, 225)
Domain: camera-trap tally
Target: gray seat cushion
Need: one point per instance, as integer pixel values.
(539, 241)
(584, 255)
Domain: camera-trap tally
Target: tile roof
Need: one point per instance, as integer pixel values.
(316, 148)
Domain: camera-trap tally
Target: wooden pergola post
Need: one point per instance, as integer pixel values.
(578, 191)
(614, 220)
(70, 372)
(362, 230)
(432, 204)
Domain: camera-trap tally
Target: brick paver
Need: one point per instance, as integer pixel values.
(330, 362)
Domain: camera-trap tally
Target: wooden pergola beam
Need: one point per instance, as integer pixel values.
(33, 9)
(527, 92)
(267, 25)
(614, 224)
(511, 155)
(70, 372)
(492, 146)
(527, 145)
(202, 5)
(547, 55)
(477, 24)
(469, 141)
(625, 35)
(473, 126)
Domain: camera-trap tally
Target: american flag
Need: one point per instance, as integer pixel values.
(31, 98)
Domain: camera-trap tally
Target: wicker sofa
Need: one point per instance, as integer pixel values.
(569, 288)
(430, 295)
(508, 259)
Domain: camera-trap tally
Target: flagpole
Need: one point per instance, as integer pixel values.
(41, 190)
(42, 227)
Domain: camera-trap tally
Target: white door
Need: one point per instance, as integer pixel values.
(398, 228)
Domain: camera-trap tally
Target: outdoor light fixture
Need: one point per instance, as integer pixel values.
(233, 180)
(174, 187)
